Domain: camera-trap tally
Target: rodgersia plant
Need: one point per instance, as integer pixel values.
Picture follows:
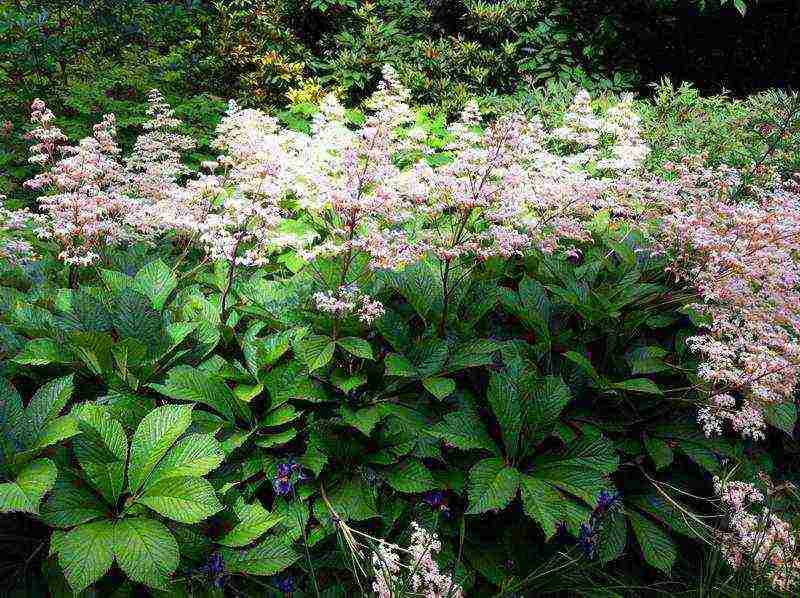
(494, 333)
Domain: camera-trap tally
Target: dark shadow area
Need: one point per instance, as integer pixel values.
(719, 49)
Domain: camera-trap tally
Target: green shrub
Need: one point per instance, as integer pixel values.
(389, 323)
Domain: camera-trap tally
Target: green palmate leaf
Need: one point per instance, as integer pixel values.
(247, 392)
(542, 503)
(492, 485)
(315, 351)
(642, 385)
(271, 556)
(668, 513)
(101, 449)
(30, 486)
(647, 360)
(783, 416)
(464, 429)
(254, 521)
(94, 350)
(71, 503)
(42, 351)
(145, 550)
(277, 439)
(313, 459)
(187, 500)
(546, 399)
(48, 401)
(439, 387)
(410, 476)
(86, 553)
(584, 364)
(658, 548)
(583, 482)
(294, 516)
(363, 420)
(57, 430)
(471, 354)
(592, 452)
(421, 287)
(613, 536)
(262, 352)
(345, 382)
(503, 397)
(397, 365)
(353, 499)
(117, 281)
(134, 318)
(356, 346)
(659, 451)
(185, 383)
(192, 456)
(157, 432)
(280, 416)
(157, 282)
(291, 381)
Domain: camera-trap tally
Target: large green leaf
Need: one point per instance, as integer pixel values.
(315, 351)
(192, 456)
(641, 385)
(352, 499)
(658, 548)
(356, 346)
(157, 432)
(542, 503)
(48, 401)
(86, 553)
(254, 521)
(187, 500)
(185, 383)
(156, 281)
(43, 351)
(101, 449)
(410, 476)
(271, 556)
(439, 387)
(421, 287)
(260, 353)
(492, 485)
(71, 503)
(464, 429)
(504, 399)
(612, 536)
(364, 419)
(398, 365)
(544, 400)
(30, 486)
(134, 318)
(145, 550)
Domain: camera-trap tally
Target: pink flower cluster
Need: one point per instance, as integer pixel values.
(348, 300)
(85, 208)
(757, 537)
(739, 252)
(418, 573)
(156, 162)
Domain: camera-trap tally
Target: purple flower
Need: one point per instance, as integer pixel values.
(282, 486)
(286, 478)
(436, 500)
(215, 569)
(587, 540)
(607, 501)
(285, 584)
(287, 468)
